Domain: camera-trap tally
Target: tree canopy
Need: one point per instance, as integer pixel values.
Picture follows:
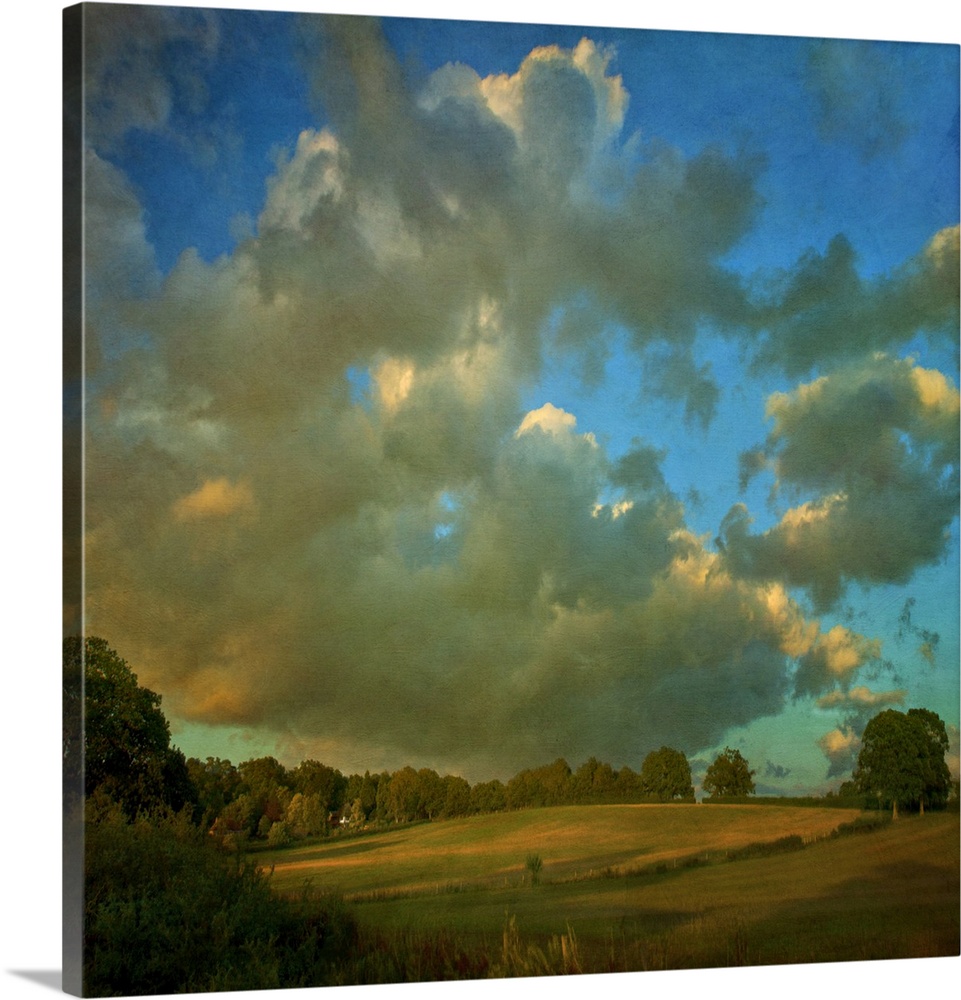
(901, 760)
(729, 775)
(125, 737)
(666, 775)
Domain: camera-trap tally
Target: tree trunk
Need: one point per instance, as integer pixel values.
(922, 805)
(894, 809)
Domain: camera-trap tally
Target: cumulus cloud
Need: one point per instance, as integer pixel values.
(131, 81)
(833, 659)
(860, 700)
(317, 504)
(495, 180)
(549, 419)
(877, 446)
(215, 498)
(857, 706)
(953, 756)
(841, 747)
(823, 312)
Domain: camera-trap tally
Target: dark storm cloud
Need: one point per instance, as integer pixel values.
(824, 313)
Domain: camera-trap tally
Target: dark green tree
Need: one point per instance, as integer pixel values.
(554, 782)
(593, 781)
(456, 795)
(217, 783)
(432, 793)
(729, 775)
(936, 778)
(368, 794)
(403, 795)
(310, 777)
(523, 791)
(265, 780)
(901, 760)
(628, 787)
(666, 775)
(382, 812)
(125, 741)
(488, 797)
(362, 788)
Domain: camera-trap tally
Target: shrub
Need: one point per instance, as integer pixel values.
(279, 834)
(168, 912)
(534, 864)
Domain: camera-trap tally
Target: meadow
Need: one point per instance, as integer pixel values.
(636, 887)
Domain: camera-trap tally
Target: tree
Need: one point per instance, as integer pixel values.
(592, 781)
(217, 783)
(383, 808)
(306, 815)
(404, 795)
(729, 775)
(432, 793)
(125, 737)
(628, 787)
(901, 760)
(488, 797)
(554, 782)
(362, 788)
(264, 779)
(313, 778)
(935, 776)
(164, 912)
(456, 795)
(666, 775)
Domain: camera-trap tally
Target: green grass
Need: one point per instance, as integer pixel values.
(637, 887)
(575, 842)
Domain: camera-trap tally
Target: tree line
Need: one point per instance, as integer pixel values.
(124, 743)
(261, 798)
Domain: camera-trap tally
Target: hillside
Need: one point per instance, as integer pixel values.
(891, 892)
(573, 841)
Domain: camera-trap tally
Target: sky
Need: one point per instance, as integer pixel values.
(468, 395)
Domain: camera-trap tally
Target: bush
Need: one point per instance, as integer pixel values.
(534, 864)
(168, 912)
(279, 835)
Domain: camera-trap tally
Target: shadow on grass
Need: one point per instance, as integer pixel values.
(325, 852)
(904, 909)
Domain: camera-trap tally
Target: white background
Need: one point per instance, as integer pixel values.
(30, 487)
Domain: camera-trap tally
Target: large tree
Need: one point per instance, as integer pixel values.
(666, 775)
(217, 783)
(124, 744)
(729, 775)
(901, 760)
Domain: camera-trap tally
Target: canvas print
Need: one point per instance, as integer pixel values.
(511, 499)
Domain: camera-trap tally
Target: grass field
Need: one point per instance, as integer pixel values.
(638, 887)
(573, 841)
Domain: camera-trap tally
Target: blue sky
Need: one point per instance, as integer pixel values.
(469, 395)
